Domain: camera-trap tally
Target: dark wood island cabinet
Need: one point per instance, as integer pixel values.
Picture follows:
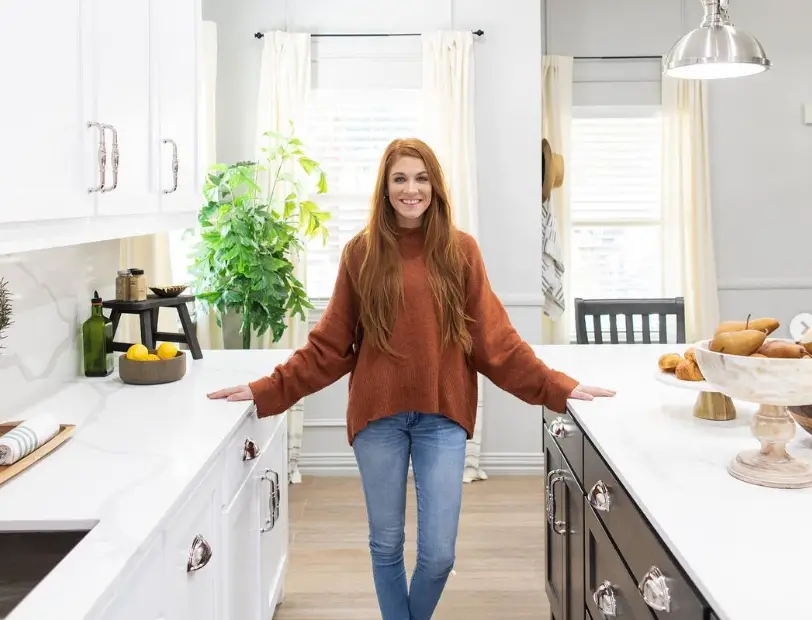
(603, 557)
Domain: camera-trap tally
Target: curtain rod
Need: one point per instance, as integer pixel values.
(618, 58)
(260, 35)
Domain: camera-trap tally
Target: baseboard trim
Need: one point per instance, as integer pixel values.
(495, 463)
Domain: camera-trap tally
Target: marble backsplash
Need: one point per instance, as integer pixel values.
(51, 298)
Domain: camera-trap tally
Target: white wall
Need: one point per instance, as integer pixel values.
(52, 291)
(761, 152)
(508, 81)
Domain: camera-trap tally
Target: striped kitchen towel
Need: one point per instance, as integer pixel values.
(26, 437)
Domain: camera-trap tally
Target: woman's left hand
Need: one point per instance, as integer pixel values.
(587, 392)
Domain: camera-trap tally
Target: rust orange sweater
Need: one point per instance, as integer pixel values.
(430, 379)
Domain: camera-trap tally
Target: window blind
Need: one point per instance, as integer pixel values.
(347, 132)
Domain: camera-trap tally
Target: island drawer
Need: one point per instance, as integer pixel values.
(569, 437)
(649, 561)
(610, 589)
(244, 448)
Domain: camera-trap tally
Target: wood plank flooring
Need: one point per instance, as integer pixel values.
(500, 552)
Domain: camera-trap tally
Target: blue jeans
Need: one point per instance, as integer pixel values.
(437, 449)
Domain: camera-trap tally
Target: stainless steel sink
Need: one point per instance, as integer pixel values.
(26, 558)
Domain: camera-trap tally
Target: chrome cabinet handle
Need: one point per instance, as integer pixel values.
(272, 478)
(604, 598)
(559, 428)
(199, 554)
(114, 156)
(599, 498)
(250, 450)
(554, 477)
(654, 588)
(101, 157)
(175, 165)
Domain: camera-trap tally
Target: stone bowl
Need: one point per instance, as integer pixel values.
(152, 372)
(762, 380)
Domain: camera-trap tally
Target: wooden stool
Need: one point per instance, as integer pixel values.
(147, 312)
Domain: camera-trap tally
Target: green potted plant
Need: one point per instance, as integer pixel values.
(5, 308)
(249, 237)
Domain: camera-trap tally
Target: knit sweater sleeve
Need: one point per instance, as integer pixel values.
(326, 356)
(498, 351)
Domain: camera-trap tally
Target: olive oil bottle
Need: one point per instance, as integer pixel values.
(97, 341)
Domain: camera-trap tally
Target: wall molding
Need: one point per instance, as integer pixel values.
(325, 422)
(495, 464)
(765, 284)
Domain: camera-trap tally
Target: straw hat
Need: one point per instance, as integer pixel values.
(552, 170)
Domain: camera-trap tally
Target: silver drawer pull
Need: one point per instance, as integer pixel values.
(604, 598)
(553, 477)
(114, 159)
(101, 157)
(654, 588)
(199, 554)
(274, 495)
(175, 165)
(598, 497)
(250, 450)
(559, 428)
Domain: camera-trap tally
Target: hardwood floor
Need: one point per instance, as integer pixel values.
(500, 555)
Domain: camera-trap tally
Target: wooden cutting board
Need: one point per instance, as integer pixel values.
(7, 472)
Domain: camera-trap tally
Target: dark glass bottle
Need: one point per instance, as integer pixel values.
(97, 341)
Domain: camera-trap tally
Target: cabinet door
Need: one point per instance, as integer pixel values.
(124, 95)
(141, 596)
(46, 145)
(274, 532)
(564, 535)
(241, 524)
(194, 555)
(179, 93)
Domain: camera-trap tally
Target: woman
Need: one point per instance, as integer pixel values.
(413, 319)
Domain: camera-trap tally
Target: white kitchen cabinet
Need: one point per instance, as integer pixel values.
(194, 553)
(222, 554)
(180, 103)
(103, 96)
(123, 67)
(45, 142)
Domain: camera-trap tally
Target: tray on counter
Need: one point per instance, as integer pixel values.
(7, 472)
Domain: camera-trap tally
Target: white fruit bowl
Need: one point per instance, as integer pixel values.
(774, 384)
(763, 380)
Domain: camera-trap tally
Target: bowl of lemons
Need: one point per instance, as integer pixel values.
(140, 366)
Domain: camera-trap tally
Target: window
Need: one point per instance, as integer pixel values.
(347, 132)
(616, 214)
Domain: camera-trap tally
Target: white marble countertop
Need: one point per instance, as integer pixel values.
(137, 449)
(134, 452)
(743, 545)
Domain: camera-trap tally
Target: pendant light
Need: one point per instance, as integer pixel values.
(716, 49)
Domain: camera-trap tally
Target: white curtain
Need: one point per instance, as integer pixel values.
(449, 115)
(687, 236)
(284, 87)
(556, 122)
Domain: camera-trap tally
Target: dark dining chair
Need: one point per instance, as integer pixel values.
(629, 309)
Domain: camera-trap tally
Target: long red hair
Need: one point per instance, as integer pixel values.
(380, 283)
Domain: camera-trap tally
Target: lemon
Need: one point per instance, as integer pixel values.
(167, 351)
(137, 352)
(152, 358)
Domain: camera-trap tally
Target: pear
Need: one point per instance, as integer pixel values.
(806, 340)
(743, 342)
(766, 325)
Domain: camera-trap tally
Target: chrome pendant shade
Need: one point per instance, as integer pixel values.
(716, 49)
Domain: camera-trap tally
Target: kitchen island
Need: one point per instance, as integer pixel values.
(638, 483)
(174, 506)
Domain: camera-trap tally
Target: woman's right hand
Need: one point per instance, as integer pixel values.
(238, 392)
